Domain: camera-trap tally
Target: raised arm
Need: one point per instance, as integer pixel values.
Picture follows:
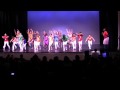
(32, 31)
(28, 31)
(15, 32)
(11, 40)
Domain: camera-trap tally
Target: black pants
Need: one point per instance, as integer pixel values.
(106, 47)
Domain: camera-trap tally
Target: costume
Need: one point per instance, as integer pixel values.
(106, 38)
(14, 42)
(89, 39)
(50, 42)
(56, 40)
(65, 41)
(6, 41)
(80, 38)
(74, 42)
(45, 40)
(37, 43)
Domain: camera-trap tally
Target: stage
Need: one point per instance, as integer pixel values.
(49, 55)
(29, 53)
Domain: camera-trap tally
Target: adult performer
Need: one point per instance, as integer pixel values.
(106, 38)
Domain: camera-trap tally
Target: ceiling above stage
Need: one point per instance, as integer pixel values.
(59, 5)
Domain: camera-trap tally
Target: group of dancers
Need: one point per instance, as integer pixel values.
(17, 41)
(49, 40)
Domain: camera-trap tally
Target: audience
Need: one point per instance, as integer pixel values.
(94, 67)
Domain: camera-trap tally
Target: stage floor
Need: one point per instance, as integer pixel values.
(59, 50)
(29, 53)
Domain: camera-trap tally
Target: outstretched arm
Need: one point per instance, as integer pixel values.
(2, 36)
(93, 39)
(11, 40)
(86, 39)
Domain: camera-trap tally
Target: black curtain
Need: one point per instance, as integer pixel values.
(109, 19)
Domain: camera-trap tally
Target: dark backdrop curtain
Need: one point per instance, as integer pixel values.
(109, 19)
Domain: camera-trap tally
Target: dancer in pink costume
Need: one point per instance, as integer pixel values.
(45, 40)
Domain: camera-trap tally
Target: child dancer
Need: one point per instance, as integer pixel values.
(65, 41)
(19, 37)
(89, 39)
(37, 43)
(74, 41)
(69, 33)
(50, 41)
(6, 41)
(80, 38)
(14, 42)
(56, 40)
(60, 39)
(45, 39)
(30, 37)
(24, 44)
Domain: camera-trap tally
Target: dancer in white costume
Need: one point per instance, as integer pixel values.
(89, 39)
(14, 42)
(74, 41)
(37, 43)
(65, 41)
(80, 38)
(50, 42)
(56, 40)
(24, 44)
(6, 41)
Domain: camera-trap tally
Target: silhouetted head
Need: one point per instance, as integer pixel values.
(95, 50)
(77, 57)
(21, 56)
(56, 58)
(44, 58)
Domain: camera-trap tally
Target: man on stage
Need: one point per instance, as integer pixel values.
(106, 38)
